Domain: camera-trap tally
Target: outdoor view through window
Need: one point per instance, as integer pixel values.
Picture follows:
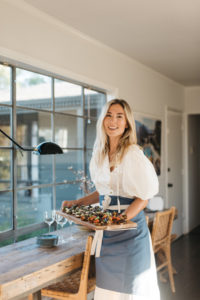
(35, 108)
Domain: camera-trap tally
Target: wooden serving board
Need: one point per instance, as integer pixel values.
(122, 226)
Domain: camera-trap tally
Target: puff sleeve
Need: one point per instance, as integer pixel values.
(100, 176)
(139, 177)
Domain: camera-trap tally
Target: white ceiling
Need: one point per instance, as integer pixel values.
(162, 34)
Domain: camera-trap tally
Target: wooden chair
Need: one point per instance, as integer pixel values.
(161, 240)
(77, 285)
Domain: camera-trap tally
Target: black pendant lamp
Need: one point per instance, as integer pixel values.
(42, 149)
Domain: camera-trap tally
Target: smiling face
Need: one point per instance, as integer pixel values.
(115, 121)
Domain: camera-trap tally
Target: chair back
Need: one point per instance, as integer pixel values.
(74, 286)
(85, 267)
(162, 226)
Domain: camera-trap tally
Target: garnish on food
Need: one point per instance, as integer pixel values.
(96, 215)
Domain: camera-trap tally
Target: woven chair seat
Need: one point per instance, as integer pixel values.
(70, 284)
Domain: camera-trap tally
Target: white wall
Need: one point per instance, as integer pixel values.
(192, 100)
(36, 39)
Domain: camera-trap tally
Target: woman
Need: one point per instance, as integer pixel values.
(124, 179)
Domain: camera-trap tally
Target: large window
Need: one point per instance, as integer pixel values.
(35, 107)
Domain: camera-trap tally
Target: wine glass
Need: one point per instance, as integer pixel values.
(54, 214)
(48, 218)
(70, 228)
(60, 220)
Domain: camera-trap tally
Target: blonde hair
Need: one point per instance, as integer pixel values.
(101, 145)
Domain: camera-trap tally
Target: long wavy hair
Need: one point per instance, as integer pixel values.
(101, 145)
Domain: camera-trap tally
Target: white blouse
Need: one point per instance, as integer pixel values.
(135, 176)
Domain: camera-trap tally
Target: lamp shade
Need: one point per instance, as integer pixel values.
(47, 148)
(43, 148)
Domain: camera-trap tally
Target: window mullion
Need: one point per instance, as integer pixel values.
(53, 139)
(14, 152)
(84, 134)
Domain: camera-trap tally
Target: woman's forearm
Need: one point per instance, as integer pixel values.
(135, 207)
(89, 199)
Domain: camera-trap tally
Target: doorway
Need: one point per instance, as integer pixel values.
(193, 171)
(174, 176)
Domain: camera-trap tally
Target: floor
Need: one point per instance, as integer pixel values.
(186, 260)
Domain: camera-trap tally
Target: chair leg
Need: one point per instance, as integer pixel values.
(161, 257)
(161, 277)
(35, 296)
(170, 269)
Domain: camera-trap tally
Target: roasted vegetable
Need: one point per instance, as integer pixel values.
(96, 215)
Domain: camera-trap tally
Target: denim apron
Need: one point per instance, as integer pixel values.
(125, 254)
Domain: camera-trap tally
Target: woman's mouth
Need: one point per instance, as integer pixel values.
(112, 128)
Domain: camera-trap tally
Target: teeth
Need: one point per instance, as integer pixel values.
(112, 127)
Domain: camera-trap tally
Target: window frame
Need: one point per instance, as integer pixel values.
(15, 232)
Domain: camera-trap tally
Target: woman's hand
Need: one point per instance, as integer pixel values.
(68, 203)
(87, 200)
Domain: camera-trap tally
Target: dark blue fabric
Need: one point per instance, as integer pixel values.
(125, 256)
(123, 200)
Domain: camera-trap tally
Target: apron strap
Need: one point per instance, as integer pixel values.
(97, 242)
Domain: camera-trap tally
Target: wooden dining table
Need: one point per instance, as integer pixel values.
(25, 268)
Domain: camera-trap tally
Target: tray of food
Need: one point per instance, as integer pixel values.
(94, 217)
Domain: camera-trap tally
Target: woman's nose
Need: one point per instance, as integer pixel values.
(112, 120)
